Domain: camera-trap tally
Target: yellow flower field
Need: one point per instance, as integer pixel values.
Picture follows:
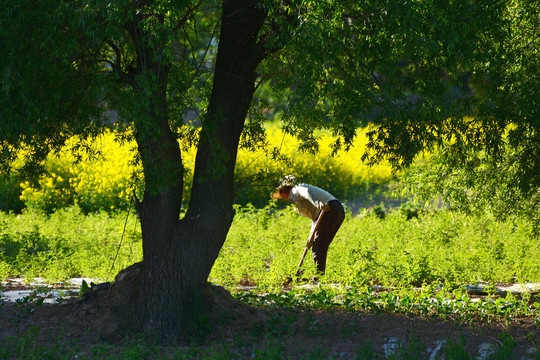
(107, 183)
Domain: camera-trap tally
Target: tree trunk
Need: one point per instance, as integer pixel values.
(179, 254)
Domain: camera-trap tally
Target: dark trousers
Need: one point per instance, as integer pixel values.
(328, 227)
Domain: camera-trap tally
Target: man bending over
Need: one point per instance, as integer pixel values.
(310, 201)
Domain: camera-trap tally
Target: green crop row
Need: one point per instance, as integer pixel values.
(376, 263)
(67, 244)
(106, 183)
(393, 248)
(264, 247)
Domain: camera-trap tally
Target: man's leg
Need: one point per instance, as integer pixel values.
(326, 232)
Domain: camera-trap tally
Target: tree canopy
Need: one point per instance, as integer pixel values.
(413, 69)
(490, 161)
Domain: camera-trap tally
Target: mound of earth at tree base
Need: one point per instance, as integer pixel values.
(248, 333)
(109, 308)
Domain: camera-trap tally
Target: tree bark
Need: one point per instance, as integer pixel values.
(179, 254)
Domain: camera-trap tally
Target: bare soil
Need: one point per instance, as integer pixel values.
(244, 330)
(337, 334)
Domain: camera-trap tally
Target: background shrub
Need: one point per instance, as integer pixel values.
(10, 194)
(67, 244)
(264, 246)
(344, 175)
(106, 183)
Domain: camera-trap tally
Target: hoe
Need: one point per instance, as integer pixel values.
(309, 244)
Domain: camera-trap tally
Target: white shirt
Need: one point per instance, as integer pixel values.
(309, 200)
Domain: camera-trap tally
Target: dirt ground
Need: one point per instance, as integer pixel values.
(246, 334)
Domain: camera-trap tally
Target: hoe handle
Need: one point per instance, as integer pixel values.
(309, 244)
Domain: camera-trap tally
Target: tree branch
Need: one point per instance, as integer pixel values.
(189, 13)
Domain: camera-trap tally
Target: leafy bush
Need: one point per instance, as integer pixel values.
(107, 182)
(67, 244)
(10, 193)
(474, 182)
(344, 174)
(264, 246)
(102, 183)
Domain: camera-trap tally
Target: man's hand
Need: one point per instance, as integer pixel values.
(325, 207)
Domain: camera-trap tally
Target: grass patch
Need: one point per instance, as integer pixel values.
(264, 246)
(67, 244)
(394, 263)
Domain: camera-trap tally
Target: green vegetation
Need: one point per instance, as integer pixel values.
(462, 76)
(437, 251)
(264, 246)
(67, 244)
(270, 347)
(106, 182)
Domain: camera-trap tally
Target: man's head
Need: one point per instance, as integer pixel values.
(284, 188)
(282, 192)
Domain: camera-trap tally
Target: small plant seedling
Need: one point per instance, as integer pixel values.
(29, 303)
(85, 289)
